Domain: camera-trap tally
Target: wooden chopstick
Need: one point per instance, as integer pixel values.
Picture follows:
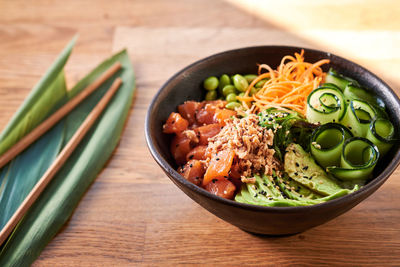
(59, 161)
(58, 115)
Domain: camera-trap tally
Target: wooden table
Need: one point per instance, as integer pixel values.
(133, 214)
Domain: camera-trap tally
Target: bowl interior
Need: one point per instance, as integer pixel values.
(187, 85)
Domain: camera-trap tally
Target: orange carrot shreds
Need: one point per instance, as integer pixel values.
(286, 87)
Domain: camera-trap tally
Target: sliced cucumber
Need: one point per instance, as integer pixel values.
(358, 160)
(381, 132)
(359, 114)
(339, 80)
(327, 143)
(325, 104)
(352, 92)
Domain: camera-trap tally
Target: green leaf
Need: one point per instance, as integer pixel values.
(57, 202)
(17, 181)
(39, 103)
(19, 176)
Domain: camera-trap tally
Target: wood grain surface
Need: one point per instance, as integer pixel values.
(132, 214)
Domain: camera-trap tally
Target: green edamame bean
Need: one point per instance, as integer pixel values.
(253, 91)
(240, 82)
(228, 89)
(261, 83)
(223, 81)
(232, 105)
(211, 83)
(241, 94)
(211, 95)
(231, 97)
(250, 77)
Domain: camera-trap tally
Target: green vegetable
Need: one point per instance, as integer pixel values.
(339, 80)
(56, 204)
(211, 83)
(232, 105)
(295, 190)
(325, 104)
(240, 82)
(250, 77)
(349, 159)
(265, 193)
(228, 89)
(358, 160)
(327, 143)
(261, 83)
(301, 167)
(231, 97)
(381, 133)
(253, 91)
(290, 127)
(223, 81)
(352, 92)
(211, 95)
(358, 116)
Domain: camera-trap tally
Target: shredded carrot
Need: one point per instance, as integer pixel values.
(286, 87)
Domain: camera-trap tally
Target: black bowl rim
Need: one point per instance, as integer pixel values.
(332, 203)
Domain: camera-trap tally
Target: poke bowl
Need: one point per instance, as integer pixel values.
(250, 208)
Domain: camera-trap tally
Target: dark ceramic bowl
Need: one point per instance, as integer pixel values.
(187, 85)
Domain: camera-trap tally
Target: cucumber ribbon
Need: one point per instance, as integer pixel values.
(343, 101)
(325, 104)
(346, 157)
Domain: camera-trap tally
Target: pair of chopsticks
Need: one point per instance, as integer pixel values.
(66, 151)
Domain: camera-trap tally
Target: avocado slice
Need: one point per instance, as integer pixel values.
(276, 191)
(301, 167)
(295, 190)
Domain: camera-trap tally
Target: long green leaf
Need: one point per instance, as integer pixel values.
(39, 103)
(20, 176)
(56, 204)
(15, 181)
